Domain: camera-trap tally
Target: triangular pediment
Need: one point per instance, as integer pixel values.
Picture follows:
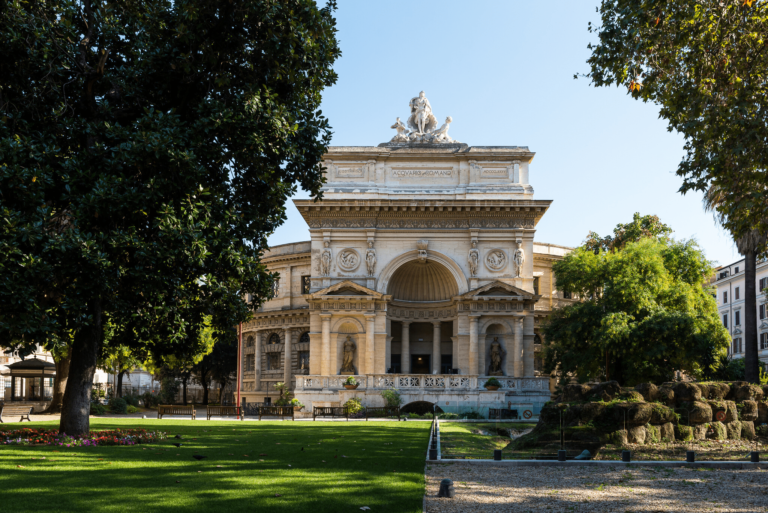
(499, 289)
(764, 325)
(346, 288)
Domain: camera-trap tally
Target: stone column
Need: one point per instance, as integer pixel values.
(288, 364)
(405, 348)
(474, 367)
(518, 347)
(257, 360)
(325, 364)
(528, 346)
(436, 354)
(370, 342)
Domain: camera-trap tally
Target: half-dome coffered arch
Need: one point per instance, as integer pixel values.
(346, 325)
(438, 265)
(417, 281)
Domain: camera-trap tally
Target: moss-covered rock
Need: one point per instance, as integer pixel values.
(684, 433)
(747, 392)
(591, 411)
(687, 392)
(747, 430)
(666, 395)
(652, 434)
(734, 430)
(747, 411)
(667, 432)
(631, 396)
(765, 392)
(614, 415)
(696, 412)
(575, 392)
(718, 391)
(717, 431)
(649, 391)
(762, 412)
(636, 435)
(550, 413)
(728, 407)
(700, 432)
(618, 437)
(661, 414)
(704, 387)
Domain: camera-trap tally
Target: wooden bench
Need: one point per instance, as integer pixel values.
(382, 411)
(276, 411)
(176, 409)
(336, 412)
(222, 411)
(12, 411)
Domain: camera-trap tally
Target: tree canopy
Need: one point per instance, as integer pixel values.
(146, 152)
(645, 313)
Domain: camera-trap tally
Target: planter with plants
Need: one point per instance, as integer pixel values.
(492, 384)
(297, 405)
(351, 383)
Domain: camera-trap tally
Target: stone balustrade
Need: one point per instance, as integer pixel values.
(423, 382)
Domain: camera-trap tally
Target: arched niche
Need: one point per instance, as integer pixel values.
(497, 331)
(344, 330)
(413, 256)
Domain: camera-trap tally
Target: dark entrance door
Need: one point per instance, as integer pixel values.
(420, 364)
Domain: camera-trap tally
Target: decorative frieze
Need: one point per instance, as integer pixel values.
(417, 223)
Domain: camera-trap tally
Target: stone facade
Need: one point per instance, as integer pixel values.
(422, 274)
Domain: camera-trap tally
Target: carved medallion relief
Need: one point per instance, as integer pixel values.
(348, 260)
(496, 260)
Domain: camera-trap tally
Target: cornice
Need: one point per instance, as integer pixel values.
(278, 259)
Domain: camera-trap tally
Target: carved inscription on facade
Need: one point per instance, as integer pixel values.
(418, 173)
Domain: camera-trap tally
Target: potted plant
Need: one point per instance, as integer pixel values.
(297, 405)
(351, 383)
(492, 384)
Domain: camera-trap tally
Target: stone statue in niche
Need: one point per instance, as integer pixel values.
(347, 366)
(402, 132)
(370, 258)
(421, 119)
(473, 259)
(519, 259)
(325, 260)
(495, 367)
(276, 288)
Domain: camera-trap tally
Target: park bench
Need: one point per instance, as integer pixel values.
(336, 412)
(12, 411)
(502, 413)
(176, 409)
(382, 411)
(276, 411)
(222, 411)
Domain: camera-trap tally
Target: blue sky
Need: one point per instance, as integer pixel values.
(504, 71)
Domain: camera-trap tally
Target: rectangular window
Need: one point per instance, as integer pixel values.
(566, 294)
(736, 294)
(737, 349)
(763, 340)
(725, 296)
(303, 360)
(737, 318)
(536, 285)
(306, 284)
(446, 363)
(725, 320)
(737, 270)
(762, 312)
(395, 362)
(763, 284)
(249, 359)
(273, 361)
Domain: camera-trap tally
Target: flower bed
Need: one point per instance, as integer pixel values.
(28, 436)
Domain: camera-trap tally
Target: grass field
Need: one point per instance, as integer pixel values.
(250, 466)
(467, 440)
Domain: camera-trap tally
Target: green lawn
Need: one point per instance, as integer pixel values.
(466, 440)
(343, 467)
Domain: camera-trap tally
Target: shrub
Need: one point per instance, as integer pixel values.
(447, 416)
(97, 409)
(472, 414)
(131, 409)
(492, 382)
(150, 400)
(392, 396)
(351, 381)
(132, 400)
(169, 387)
(354, 405)
(118, 405)
(414, 416)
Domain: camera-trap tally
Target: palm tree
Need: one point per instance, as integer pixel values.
(748, 245)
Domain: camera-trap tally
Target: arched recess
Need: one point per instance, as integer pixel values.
(351, 328)
(386, 274)
(347, 320)
(496, 329)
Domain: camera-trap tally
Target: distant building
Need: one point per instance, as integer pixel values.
(729, 281)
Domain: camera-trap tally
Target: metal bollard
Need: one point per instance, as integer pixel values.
(690, 456)
(497, 455)
(561, 455)
(754, 457)
(433, 454)
(626, 456)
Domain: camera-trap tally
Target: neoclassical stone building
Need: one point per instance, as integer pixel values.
(422, 274)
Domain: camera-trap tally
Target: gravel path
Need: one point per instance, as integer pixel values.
(490, 488)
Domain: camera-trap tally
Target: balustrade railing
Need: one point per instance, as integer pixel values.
(423, 382)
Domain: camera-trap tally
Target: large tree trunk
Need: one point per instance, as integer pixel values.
(204, 382)
(77, 396)
(184, 388)
(751, 359)
(60, 383)
(119, 392)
